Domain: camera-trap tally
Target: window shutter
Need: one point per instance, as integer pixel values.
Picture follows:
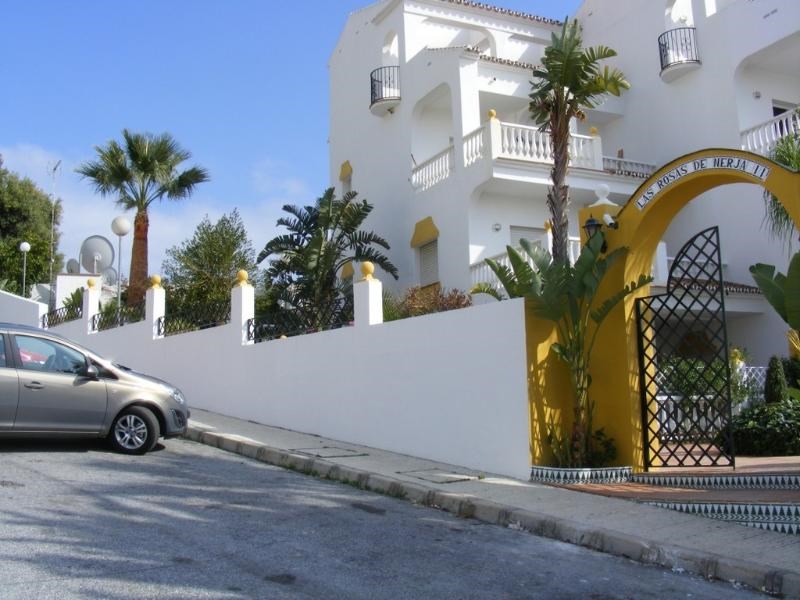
(428, 264)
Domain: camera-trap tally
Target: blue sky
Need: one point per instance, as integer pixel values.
(242, 84)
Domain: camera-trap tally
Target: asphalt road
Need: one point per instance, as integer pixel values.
(189, 521)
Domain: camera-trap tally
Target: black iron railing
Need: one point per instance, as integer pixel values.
(678, 46)
(125, 316)
(61, 316)
(384, 84)
(300, 321)
(203, 317)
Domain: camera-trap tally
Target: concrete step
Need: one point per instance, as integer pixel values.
(783, 518)
(751, 481)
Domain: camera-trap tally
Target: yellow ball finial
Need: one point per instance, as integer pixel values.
(242, 277)
(155, 281)
(492, 113)
(90, 283)
(593, 131)
(367, 269)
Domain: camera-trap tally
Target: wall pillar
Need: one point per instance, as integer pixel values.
(155, 306)
(91, 305)
(243, 308)
(495, 135)
(368, 298)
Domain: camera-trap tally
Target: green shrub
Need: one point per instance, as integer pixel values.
(423, 301)
(791, 368)
(767, 430)
(775, 388)
(692, 376)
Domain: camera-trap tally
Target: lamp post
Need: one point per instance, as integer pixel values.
(24, 247)
(120, 226)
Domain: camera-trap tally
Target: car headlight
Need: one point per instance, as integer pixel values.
(177, 396)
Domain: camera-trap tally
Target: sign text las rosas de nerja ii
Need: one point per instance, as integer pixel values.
(735, 163)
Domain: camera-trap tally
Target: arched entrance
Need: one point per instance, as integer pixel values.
(642, 223)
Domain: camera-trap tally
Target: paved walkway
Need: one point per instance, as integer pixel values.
(761, 559)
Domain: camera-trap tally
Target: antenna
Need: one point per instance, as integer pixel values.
(97, 254)
(73, 267)
(52, 300)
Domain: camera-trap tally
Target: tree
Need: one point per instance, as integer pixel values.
(569, 81)
(201, 271)
(303, 277)
(140, 171)
(567, 296)
(25, 214)
(776, 220)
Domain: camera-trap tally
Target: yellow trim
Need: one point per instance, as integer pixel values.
(425, 231)
(345, 171)
(615, 364)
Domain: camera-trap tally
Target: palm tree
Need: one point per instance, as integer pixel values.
(304, 278)
(776, 220)
(141, 170)
(569, 81)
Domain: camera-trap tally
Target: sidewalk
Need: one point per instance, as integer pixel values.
(760, 559)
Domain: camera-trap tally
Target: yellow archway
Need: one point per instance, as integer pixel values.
(642, 223)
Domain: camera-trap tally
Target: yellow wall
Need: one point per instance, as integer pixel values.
(615, 363)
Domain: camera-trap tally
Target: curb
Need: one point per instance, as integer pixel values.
(711, 566)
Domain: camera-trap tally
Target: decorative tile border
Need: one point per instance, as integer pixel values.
(558, 476)
(763, 481)
(783, 518)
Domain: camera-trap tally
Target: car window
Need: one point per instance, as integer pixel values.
(2, 350)
(38, 354)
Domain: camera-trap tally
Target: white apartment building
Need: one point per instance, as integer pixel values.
(415, 82)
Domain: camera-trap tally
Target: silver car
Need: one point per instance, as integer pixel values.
(50, 386)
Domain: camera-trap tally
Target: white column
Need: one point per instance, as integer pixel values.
(155, 305)
(243, 308)
(368, 298)
(495, 135)
(91, 304)
(597, 150)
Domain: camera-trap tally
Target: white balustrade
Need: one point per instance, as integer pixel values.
(480, 272)
(430, 172)
(628, 168)
(523, 142)
(762, 138)
(473, 146)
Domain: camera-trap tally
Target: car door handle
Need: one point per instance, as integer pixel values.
(34, 385)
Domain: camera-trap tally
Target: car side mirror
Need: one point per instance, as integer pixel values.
(90, 372)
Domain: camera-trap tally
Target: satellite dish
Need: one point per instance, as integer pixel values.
(73, 266)
(97, 254)
(109, 276)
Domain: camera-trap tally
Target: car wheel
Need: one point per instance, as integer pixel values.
(135, 431)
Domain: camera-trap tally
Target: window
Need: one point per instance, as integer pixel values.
(2, 350)
(38, 354)
(429, 263)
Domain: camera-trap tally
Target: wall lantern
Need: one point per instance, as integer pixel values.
(593, 226)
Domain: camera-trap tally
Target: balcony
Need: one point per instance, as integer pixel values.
(384, 85)
(762, 138)
(678, 50)
(523, 144)
(480, 272)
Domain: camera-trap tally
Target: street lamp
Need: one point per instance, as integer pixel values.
(24, 247)
(120, 226)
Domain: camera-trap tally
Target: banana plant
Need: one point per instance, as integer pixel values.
(567, 296)
(783, 294)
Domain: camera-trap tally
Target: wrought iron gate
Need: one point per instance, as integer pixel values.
(684, 374)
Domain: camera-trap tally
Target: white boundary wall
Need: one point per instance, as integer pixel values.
(16, 309)
(450, 387)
